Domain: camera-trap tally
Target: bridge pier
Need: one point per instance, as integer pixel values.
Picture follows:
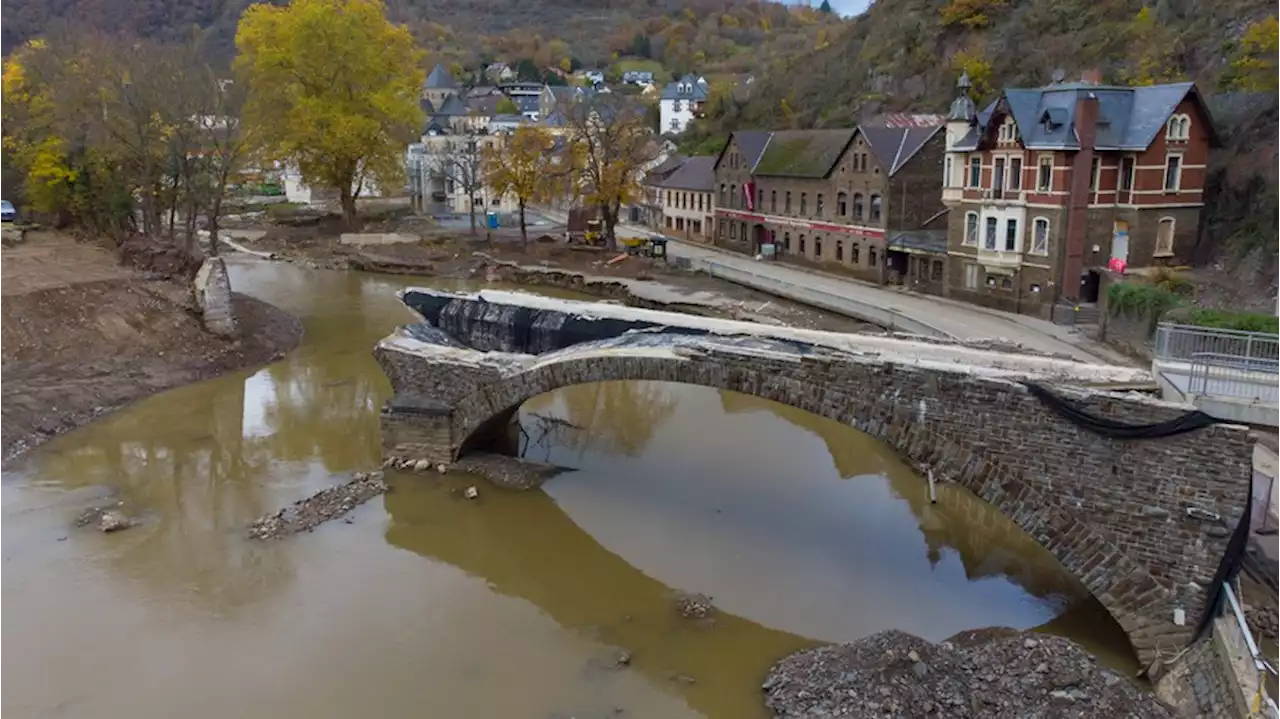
(415, 429)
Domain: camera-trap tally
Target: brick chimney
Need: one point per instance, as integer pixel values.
(1092, 76)
(1086, 126)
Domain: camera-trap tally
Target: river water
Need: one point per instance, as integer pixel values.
(514, 605)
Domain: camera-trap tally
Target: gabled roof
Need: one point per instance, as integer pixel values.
(452, 105)
(487, 105)
(526, 103)
(689, 87)
(1129, 118)
(425, 105)
(657, 174)
(696, 173)
(895, 139)
(441, 79)
(751, 144)
(803, 153)
(483, 91)
(563, 93)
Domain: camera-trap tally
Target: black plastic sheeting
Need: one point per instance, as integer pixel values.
(1233, 557)
(1118, 430)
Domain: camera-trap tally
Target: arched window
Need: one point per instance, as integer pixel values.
(857, 205)
(1164, 236)
(1039, 236)
(818, 210)
(802, 244)
(773, 200)
(946, 171)
(842, 204)
(875, 209)
(970, 229)
(724, 199)
(804, 203)
(1178, 128)
(853, 254)
(787, 209)
(786, 241)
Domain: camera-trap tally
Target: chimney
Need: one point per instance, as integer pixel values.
(1079, 194)
(1092, 76)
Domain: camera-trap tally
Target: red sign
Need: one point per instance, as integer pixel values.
(749, 192)
(866, 232)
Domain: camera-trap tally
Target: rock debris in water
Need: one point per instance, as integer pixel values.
(331, 503)
(894, 674)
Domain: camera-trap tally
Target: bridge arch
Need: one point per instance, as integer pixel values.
(1126, 588)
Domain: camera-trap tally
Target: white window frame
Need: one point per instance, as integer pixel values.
(1009, 174)
(1036, 248)
(991, 234)
(1177, 178)
(1178, 128)
(947, 166)
(971, 276)
(1041, 161)
(1011, 222)
(969, 180)
(968, 241)
(1173, 226)
(1008, 130)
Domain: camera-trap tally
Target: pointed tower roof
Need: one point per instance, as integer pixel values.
(962, 108)
(441, 79)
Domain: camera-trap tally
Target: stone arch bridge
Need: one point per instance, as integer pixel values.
(1143, 523)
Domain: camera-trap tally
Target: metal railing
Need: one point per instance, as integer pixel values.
(1262, 699)
(1182, 342)
(1228, 375)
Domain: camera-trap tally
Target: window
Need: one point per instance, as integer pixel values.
(817, 210)
(1164, 237)
(1126, 174)
(773, 200)
(1178, 128)
(802, 244)
(864, 162)
(935, 272)
(786, 240)
(989, 241)
(875, 208)
(1015, 173)
(1006, 283)
(871, 256)
(946, 171)
(997, 175)
(853, 253)
(972, 276)
(669, 198)
(1173, 173)
(839, 250)
(787, 209)
(699, 202)
(1095, 173)
(1008, 131)
(1040, 236)
(733, 230)
(817, 248)
(970, 230)
(675, 106)
(724, 198)
(804, 203)
(975, 171)
(1044, 176)
(857, 205)
(759, 199)
(1011, 235)
(842, 204)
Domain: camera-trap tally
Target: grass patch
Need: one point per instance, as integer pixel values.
(640, 64)
(1169, 299)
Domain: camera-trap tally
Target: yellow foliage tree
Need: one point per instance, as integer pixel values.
(609, 145)
(1151, 51)
(524, 165)
(1253, 66)
(969, 13)
(981, 74)
(333, 90)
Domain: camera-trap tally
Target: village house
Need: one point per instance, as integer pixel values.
(688, 204)
(439, 86)
(680, 103)
(866, 199)
(498, 72)
(1051, 187)
(637, 77)
(648, 211)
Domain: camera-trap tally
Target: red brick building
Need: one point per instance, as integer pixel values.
(1049, 186)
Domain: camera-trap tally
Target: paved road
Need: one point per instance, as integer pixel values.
(915, 312)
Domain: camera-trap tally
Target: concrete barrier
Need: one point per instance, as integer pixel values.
(375, 238)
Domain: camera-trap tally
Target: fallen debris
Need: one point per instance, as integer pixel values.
(471, 493)
(106, 519)
(896, 674)
(694, 606)
(507, 472)
(330, 503)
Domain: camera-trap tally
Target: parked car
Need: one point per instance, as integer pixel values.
(7, 212)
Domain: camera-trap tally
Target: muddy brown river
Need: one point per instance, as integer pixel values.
(513, 605)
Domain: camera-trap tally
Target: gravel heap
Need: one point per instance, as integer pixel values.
(331, 503)
(894, 674)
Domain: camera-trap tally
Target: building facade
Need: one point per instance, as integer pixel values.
(1049, 188)
(681, 101)
(688, 200)
(837, 196)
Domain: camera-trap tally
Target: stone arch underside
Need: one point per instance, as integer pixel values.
(930, 423)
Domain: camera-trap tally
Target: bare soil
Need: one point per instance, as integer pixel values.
(83, 335)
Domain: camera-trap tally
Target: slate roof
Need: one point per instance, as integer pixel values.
(487, 105)
(924, 240)
(696, 173)
(483, 91)
(751, 144)
(441, 79)
(425, 105)
(697, 90)
(655, 176)
(895, 139)
(1129, 118)
(526, 103)
(802, 153)
(452, 105)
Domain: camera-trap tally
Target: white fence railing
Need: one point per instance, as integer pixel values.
(1227, 375)
(1183, 342)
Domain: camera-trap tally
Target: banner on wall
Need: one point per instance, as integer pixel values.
(749, 194)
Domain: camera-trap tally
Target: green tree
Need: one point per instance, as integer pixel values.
(507, 106)
(826, 7)
(641, 46)
(333, 90)
(1253, 64)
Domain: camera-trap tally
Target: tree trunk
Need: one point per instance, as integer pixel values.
(524, 229)
(610, 218)
(348, 200)
(214, 210)
(471, 204)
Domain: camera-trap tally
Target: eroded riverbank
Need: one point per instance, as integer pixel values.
(801, 531)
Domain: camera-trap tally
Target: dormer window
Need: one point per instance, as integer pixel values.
(1008, 130)
(1178, 128)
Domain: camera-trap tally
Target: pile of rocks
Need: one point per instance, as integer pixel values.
(894, 674)
(105, 519)
(412, 465)
(331, 503)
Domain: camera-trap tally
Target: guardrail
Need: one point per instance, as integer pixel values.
(1228, 375)
(1182, 342)
(886, 317)
(1260, 663)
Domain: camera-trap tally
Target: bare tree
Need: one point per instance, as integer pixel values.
(460, 159)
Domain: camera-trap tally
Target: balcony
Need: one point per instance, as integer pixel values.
(1001, 196)
(999, 258)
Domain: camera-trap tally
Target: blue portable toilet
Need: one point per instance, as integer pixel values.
(493, 220)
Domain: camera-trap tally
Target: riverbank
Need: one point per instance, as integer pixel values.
(83, 336)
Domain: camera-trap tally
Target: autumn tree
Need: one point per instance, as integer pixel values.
(333, 90)
(460, 159)
(1253, 64)
(526, 166)
(609, 144)
(507, 106)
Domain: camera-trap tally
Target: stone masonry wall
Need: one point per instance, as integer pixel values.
(1114, 512)
(213, 295)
